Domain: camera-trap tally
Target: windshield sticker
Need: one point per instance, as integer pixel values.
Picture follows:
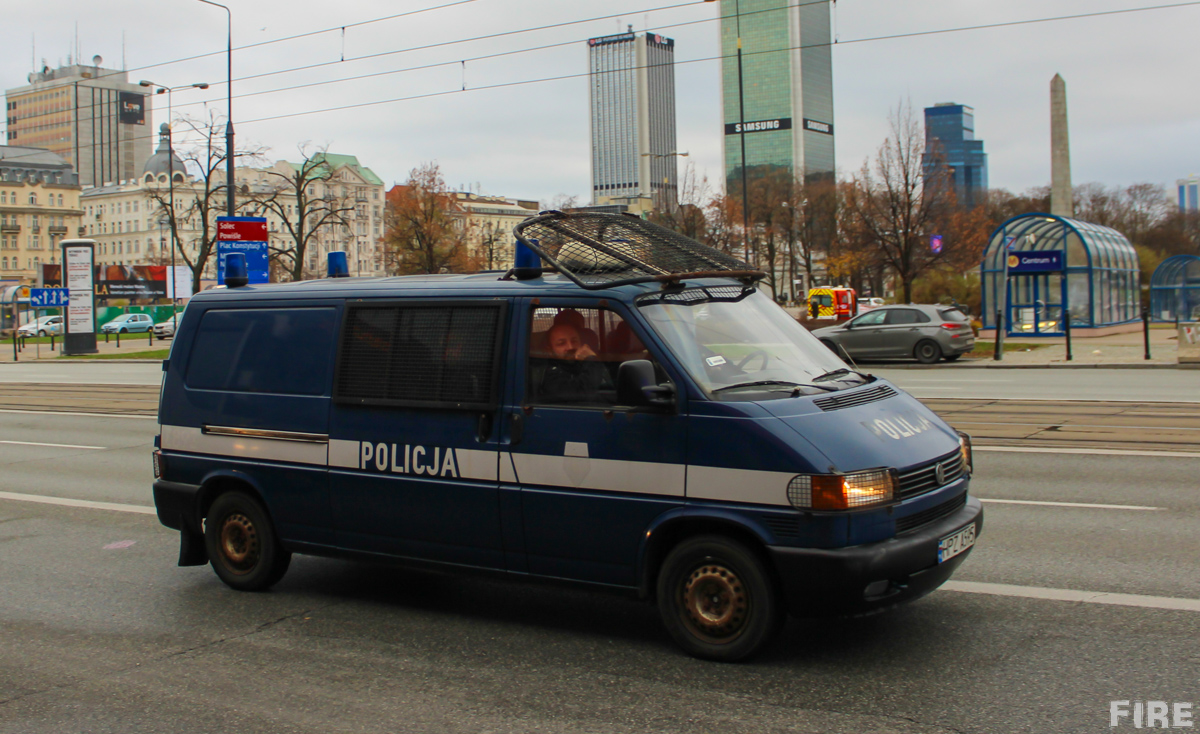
(716, 361)
(407, 459)
(899, 427)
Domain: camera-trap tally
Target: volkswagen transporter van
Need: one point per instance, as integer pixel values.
(623, 410)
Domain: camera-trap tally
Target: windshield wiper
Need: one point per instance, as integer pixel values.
(841, 371)
(793, 386)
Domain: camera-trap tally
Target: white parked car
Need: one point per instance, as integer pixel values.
(166, 329)
(867, 304)
(42, 326)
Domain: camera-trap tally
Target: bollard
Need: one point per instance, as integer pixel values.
(15, 357)
(106, 337)
(118, 340)
(998, 352)
(52, 341)
(1067, 330)
(1146, 330)
(150, 334)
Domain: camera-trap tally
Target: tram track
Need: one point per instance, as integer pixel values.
(1145, 426)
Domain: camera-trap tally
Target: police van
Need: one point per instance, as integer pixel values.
(624, 410)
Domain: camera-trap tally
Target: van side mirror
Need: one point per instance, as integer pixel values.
(638, 386)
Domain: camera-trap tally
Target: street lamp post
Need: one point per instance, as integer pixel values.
(229, 109)
(737, 7)
(666, 178)
(171, 174)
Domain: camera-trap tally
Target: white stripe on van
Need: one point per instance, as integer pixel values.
(483, 466)
(194, 440)
(738, 485)
(641, 477)
(344, 454)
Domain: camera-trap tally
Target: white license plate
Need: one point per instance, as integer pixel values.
(951, 545)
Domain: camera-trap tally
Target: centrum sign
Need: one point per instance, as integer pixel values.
(1040, 261)
(247, 235)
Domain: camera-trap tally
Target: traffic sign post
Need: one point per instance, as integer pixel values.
(247, 235)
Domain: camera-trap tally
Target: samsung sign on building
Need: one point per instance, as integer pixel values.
(758, 126)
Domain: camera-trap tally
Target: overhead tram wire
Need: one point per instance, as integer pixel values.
(871, 39)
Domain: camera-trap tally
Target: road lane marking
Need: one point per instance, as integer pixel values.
(85, 415)
(969, 422)
(87, 504)
(54, 445)
(1104, 452)
(1075, 504)
(1086, 597)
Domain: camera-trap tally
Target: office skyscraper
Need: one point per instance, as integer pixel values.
(632, 80)
(950, 133)
(786, 88)
(90, 116)
(1189, 194)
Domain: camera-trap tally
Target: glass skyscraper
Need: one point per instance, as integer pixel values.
(632, 81)
(1189, 194)
(950, 133)
(786, 88)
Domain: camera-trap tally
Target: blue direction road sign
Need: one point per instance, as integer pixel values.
(47, 297)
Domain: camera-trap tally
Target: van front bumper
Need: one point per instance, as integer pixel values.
(819, 582)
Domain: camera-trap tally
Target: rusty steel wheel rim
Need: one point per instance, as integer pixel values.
(716, 603)
(239, 543)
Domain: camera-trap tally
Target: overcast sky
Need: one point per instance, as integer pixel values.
(1134, 111)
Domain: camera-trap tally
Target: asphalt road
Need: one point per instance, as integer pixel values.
(102, 633)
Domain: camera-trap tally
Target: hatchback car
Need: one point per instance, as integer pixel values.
(925, 333)
(166, 329)
(128, 322)
(43, 326)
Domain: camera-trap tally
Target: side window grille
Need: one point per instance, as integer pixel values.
(433, 355)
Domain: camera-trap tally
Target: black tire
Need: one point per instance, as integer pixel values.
(927, 352)
(717, 599)
(124, 330)
(242, 546)
(952, 357)
(42, 333)
(835, 348)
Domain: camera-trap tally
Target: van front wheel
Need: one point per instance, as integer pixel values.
(242, 545)
(717, 600)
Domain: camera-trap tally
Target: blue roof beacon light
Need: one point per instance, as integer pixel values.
(526, 263)
(336, 265)
(236, 274)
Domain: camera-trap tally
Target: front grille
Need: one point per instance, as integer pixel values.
(858, 397)
(933, 514)
(924, 478)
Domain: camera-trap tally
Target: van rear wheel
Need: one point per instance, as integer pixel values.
(717, 599)
(242, 545)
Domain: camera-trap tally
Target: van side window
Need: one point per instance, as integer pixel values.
(436, 355)
(574, 355)
(279, 350)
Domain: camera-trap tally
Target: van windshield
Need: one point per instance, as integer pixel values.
(734, 341)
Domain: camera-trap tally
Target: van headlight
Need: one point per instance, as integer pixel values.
(842, 491)
(964, 444)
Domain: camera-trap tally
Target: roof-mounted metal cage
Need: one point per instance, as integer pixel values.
(604, 250)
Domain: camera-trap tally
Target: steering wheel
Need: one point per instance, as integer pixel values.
(766, 357)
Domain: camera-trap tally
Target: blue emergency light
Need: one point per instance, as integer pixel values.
(337, 266)
(236, 274)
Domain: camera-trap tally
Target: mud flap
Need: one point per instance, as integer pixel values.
(191, 548)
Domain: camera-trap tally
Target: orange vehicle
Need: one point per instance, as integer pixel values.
(832, 303)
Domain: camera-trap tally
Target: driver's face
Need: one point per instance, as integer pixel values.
(565, 341)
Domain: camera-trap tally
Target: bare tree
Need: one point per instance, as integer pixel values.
(424, 229)
(199, 200)
(687, 217)
(302, 197)
(898, 205)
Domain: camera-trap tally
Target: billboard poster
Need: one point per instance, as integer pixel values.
(132, 108)
(131, 281)
(81, 312)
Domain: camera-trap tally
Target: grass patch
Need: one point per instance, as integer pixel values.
(144, 354)
(987, 349)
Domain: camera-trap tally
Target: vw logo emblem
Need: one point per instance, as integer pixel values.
(940, 472)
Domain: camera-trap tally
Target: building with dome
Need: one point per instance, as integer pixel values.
(39, 207)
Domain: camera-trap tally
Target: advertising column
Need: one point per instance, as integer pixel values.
(79, 273)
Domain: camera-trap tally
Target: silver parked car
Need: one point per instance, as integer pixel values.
(925, 333)
(166, 329)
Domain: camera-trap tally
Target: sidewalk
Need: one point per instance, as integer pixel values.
(131, 344)
(1114, 351)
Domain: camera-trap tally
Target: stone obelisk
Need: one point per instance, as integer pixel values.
(1061, 202)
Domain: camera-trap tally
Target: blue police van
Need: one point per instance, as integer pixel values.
(624, 409)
